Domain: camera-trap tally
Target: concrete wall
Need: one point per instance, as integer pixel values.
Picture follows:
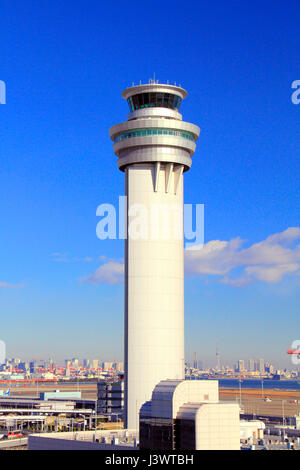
(217, 426)
(155, 283)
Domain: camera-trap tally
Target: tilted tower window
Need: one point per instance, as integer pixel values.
(149, 100)
(154, 131)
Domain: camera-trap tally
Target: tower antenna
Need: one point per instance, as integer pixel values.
(218, 359)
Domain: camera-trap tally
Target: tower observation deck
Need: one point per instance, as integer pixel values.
(154, 148)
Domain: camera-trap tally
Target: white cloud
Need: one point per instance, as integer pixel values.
(269, 260)
(60, 257)
(64, 258)
(215, 257)
(271, 274)
(111, 272)
(7, 285)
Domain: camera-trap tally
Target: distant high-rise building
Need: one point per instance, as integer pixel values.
(241, 365)
(86, 363)
(75, 362)
(94, 364)
(118, 366)
(23, 366)
(251, 365)
(269, 368)
(261, 366)
(33, 367)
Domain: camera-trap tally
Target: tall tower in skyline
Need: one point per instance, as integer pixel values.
(195, 365)
(218, 359)
(154, 147)
(251, 365)
(261, 366)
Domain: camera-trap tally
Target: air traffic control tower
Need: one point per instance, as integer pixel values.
(154, 148)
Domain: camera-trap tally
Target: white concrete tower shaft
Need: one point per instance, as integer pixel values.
(154, 147)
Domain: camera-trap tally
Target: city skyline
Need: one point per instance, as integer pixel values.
(60, 286)
(252, 367)
(209, 363)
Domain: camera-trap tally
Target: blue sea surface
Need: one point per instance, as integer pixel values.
(254, 383)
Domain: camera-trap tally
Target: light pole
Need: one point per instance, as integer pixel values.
(283, 418)
(240, 387)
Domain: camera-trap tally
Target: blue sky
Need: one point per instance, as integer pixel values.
(65, 65)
